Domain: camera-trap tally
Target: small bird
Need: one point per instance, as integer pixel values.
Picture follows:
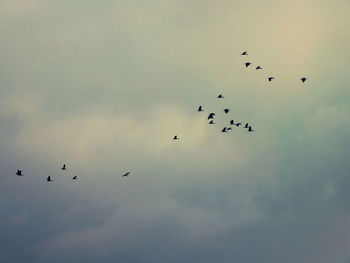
(211, 122)
(220, 96)
(176, 138)
(247, 64)
(211, 116)
(270, 78)
(258, 67)
(226, 110)
(232, 122)
(19, 173)
(246, 125)
(64, 168)
(75, 177)
(303, 79)
(224, 129)
(245, 53)
(238, 124)
(250, 129)
(200, 108)
(49, 179)
(126, 174)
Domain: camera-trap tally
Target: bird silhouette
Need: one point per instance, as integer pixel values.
(75, 177)
(211, 122)
(246, 125)
(226, 110)
(238, 124)
(49, 179)
(245, 53)
(270, 78)
(211, 116)
(247, 64)
(258, 67)
(250, 129)
(224, 129)
(126, 174)
(220, 96)
(200, 108)
(64, 167)
(176, 138)
(19, 173)
(303, 79)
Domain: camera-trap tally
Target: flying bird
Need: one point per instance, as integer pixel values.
(247, 64)
(258, 67)
(250, 129)
(246, 125)
(211, 116)
(245, 53)
(176, 138)
(211, 122)
(19, 173)
(75, 177)
(226, 110)
(64, 167)
(49, 179)
(270, 78)
(303, 79)
(200, 108)
(220, 96)
(238, 124)
(126, 174)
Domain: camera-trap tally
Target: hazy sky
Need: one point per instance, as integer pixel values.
(103, 86)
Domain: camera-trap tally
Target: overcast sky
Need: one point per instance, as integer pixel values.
(103, 86)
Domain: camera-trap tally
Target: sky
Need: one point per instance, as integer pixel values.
(103, 86)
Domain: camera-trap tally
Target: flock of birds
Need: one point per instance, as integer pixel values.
(200, 109)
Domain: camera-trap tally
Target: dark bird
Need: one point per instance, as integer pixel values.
(224, 129)
(258, 67)
(49, 179)
(176, 138)
(232, 122)
(211, 122)
(245, 53)
(238, 124)
(200, 108)
(303, 79)
(246, 125)
(226, 110)
(64, 167)
(126, 174)
(220, 96)
(211, 116)
(75, 177)
(270, 78)
(247, 64)
(250, 129)
(19, 173)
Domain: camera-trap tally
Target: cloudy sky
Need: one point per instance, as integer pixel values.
(103, 86)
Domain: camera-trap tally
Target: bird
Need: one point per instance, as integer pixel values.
(64, 167)
(226, 110)
(75, 177)
(49, 179)
(250, 129)
(303, 79)
(220, 96)
(232, 122)
(200, 108)
(224, 129)
(247, 64)
(19, 173)
(176, 138)
(211, 122)
(258, 67)
(245, 53)
(246, 125)
(238, 124)
(270, 78)
(126, 174)
(211, 116)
